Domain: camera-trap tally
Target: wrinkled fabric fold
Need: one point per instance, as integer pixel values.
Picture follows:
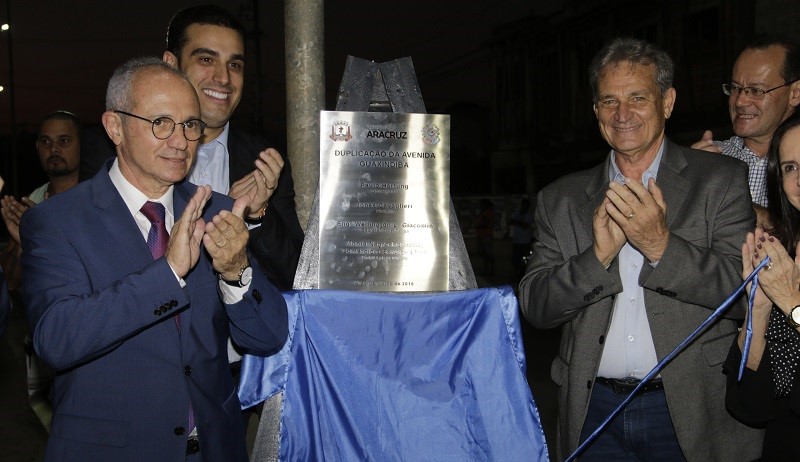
(371, 376)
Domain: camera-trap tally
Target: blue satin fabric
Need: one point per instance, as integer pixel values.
(370, 376)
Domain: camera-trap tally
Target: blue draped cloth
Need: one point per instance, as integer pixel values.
(370, 376)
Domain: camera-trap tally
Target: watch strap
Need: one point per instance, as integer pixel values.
(238, 282)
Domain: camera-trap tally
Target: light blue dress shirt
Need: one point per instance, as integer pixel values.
(211, 166)
(628, 350)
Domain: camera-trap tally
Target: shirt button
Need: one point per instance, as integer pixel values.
(187, 370)
(179, 431)
(630, 338)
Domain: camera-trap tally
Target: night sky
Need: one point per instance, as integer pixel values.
(63, 54)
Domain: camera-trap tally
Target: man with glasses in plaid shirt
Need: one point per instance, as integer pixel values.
(764, 90)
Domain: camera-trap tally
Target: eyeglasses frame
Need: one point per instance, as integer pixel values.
(761, 94)
(174, 124)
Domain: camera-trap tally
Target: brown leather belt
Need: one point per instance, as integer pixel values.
(626, 386)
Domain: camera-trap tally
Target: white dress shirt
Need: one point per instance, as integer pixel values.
(135, 199)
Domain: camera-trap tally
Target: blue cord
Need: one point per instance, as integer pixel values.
(748, 336)
(661, 364)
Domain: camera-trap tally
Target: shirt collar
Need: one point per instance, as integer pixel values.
(134, 198)
(652, 171)
(221, 139)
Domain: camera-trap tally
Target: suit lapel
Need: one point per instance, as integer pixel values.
(674, 186)
(239, 160)
(120, 225)
(118, 222)
(595, 193)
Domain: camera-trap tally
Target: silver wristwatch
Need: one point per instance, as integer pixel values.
(245, 276)
(794, 317)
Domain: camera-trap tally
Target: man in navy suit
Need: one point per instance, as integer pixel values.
(136, 327)
(207, 43)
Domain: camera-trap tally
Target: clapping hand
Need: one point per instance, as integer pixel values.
(11, 209)
(608, 236)
(183, 249)
(707, 143)
(641, 214)
(225, 240)
(259, 184)
(780, 279)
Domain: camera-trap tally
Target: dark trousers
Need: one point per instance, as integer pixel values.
(642, 431)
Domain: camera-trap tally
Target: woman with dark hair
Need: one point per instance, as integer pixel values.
(768, 396)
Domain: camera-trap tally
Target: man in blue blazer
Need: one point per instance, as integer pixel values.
(138, 339)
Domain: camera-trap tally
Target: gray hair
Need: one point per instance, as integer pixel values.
(119, 95)
(635, 51)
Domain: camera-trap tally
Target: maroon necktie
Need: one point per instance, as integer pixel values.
(158, 237)
(157, 240)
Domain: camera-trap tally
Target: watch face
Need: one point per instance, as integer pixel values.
(795, 314)
(247, 276)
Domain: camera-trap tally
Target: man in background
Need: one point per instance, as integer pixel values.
(58, 145)
(763, 92)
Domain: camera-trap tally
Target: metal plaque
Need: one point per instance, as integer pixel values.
(384, 201)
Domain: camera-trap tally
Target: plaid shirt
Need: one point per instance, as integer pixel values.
(735, 147)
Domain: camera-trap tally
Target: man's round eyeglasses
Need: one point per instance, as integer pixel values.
(163, 127)
(751, 92)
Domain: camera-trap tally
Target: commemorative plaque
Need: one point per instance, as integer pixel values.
(384, 207)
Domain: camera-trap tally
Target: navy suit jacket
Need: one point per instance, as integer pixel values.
(276, 244)
(102, 313)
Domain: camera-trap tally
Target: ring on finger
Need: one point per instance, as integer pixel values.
(630, 215)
